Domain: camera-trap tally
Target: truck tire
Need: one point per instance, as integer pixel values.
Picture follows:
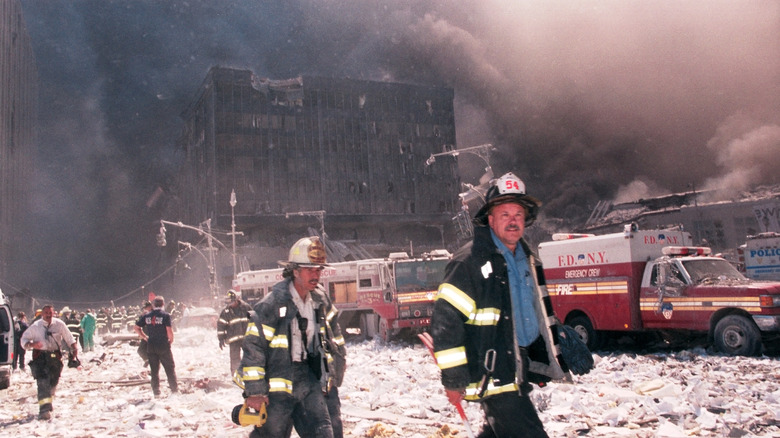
(583, 326)
(369, 325)
(736, 335)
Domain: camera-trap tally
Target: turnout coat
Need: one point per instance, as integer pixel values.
(266, 366)
(473, 330)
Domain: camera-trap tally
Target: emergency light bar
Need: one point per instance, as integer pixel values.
(686, 250)
(569, 236)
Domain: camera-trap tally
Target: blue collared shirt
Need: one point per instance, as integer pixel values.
(521, 290)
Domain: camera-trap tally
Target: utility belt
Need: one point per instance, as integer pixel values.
(55, 354)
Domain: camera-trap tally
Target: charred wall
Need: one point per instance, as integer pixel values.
(351, 148)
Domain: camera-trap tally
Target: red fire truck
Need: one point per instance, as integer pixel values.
(381, 296)
(654, 281)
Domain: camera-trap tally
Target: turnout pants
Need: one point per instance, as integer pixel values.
(306, 409)
(235, 356)
(511, 415)
(46, 368)
(161, 355)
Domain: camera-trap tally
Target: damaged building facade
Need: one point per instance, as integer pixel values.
(18, 113)
(712, 220)
(314, 154)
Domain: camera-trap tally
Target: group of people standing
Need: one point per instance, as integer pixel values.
(493, 330)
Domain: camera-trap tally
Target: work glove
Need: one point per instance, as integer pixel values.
(576, 354)
(221, 344)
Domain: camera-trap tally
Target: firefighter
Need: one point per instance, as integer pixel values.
(130, 318)
(337, 367)
(73, 323)
(492, 321)
(287, 349)
(116, 320)
(45, 337)
(102, 321)
(231, 326)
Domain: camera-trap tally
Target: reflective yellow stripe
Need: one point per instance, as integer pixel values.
(457, 298)
(268, 331)
(451, 358)
(237, 379)
(488, 316)
(280, 385)
(238, 321)
(339, 340)
(251, 330)
(235, 338)
(333, 312)
(472, 391)
(44, 401)
(279, 342)
(253, 373)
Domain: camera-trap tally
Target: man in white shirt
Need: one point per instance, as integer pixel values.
(46, 337)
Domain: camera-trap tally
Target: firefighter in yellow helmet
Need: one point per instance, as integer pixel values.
(290, 349)
(231, 326)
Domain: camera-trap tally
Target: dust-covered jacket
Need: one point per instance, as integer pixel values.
(473, 315)
(266, 365)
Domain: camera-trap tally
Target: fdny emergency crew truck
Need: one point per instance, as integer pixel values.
(760, 257)
(381, 296)
(655, 281)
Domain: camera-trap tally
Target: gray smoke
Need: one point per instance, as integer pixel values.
(584, 100)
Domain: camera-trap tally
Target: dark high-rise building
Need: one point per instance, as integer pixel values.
(352, 150)
(18, 100)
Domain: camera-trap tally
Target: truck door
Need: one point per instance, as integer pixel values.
(663, 300)
(6, 335)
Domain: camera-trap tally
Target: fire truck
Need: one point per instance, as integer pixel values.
(656, 282)
(381, 297)
(759, 257)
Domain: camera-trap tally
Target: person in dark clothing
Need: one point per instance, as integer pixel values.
(493, 328)
(20, 325)
(287, 350)
(231, 326)
(142, 346)
(159, 340)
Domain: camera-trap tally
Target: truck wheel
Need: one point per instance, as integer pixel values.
(583, 326)
(736, 335)
(369, 325)
(384, 331)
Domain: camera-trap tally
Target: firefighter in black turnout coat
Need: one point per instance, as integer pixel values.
(288, 350)
(493, 327)
(231, 327)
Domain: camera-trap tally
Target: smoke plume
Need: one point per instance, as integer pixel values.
(582, 99)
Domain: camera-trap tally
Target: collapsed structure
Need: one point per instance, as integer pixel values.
(342, 157)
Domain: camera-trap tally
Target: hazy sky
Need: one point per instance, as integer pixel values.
(585, 100)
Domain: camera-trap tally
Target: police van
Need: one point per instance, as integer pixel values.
(6, 342)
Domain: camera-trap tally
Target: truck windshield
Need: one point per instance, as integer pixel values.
(419, 275)
(711, 270)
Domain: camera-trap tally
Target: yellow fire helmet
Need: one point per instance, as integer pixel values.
(307, 252)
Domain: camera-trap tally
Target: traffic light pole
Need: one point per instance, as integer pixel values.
(161, 241)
